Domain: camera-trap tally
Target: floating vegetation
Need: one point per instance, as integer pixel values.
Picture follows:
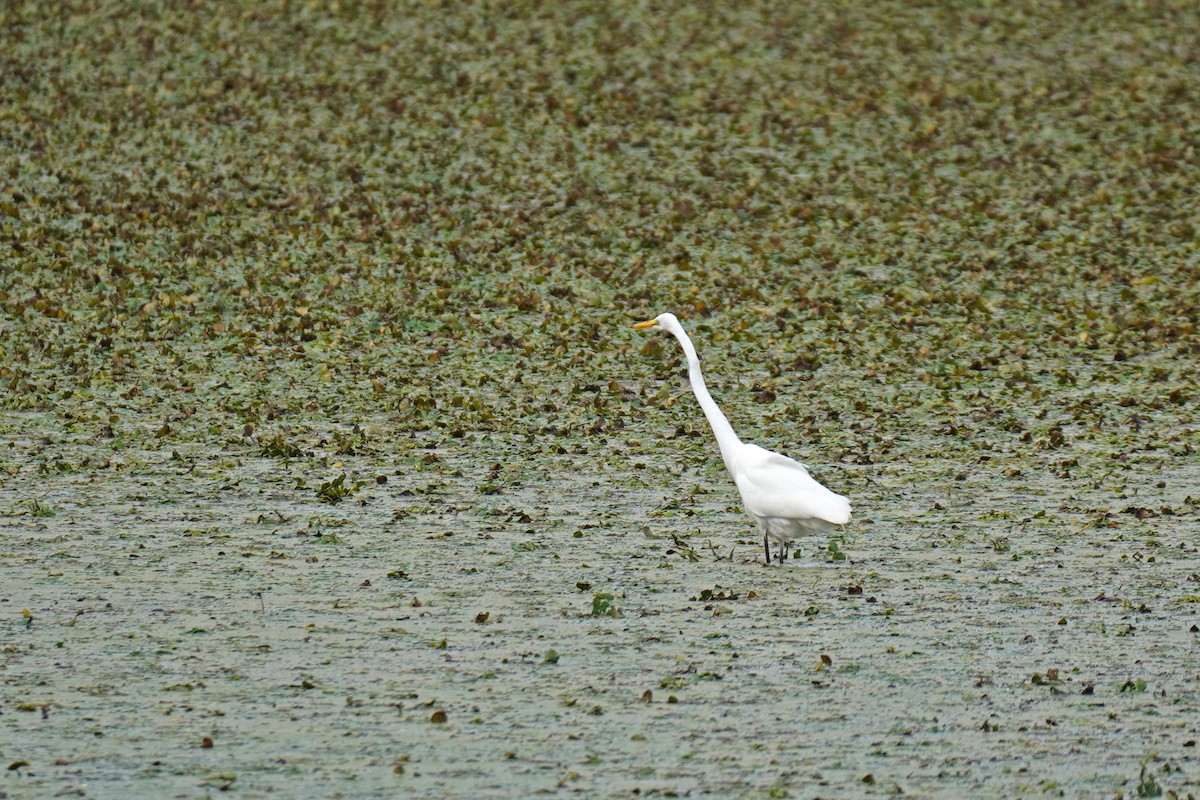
(834, 550)
(336, 490)
(603, 605)
(716, 593)
(278, 447)
(36, 508)
(264, 264)
(682, 548)
(1147, 785)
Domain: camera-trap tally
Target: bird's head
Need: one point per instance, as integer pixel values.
(668, 322)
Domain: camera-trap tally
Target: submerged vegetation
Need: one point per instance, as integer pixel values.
(256, 260)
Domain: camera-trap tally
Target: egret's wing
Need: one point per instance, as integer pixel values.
(773, 485)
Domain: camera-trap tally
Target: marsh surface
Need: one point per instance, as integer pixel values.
(331, 468)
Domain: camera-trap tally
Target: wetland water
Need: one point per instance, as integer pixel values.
(330, 467)
(970, 646)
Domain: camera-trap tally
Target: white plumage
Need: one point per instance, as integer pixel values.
(777, 491)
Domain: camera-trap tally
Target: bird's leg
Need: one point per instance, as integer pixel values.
(784, 551)
(767, 547)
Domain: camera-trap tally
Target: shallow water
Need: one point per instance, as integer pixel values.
(312, 645)
(944, 253)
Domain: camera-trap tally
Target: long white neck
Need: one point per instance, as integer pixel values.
(727, 440)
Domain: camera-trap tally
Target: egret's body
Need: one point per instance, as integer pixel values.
(777, 492)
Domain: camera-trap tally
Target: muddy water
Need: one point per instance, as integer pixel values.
(200, 622)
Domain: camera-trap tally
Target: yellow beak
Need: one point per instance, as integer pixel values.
(650, 323)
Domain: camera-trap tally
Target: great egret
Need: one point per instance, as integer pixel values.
(777, 492)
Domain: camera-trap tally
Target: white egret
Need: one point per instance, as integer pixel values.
(777, 492)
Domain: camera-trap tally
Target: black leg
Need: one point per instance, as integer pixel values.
(767, 547)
